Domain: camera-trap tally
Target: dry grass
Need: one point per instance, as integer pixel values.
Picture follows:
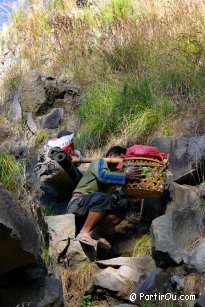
(140, 63)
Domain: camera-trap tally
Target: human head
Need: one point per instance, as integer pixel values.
(116, 151)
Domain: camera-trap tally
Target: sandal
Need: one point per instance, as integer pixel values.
(86, 239)
(102, 242)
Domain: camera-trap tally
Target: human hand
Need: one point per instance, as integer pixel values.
(134, 174)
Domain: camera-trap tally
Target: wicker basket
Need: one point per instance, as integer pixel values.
(153, 179)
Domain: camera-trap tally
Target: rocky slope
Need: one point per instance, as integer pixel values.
(40, 262)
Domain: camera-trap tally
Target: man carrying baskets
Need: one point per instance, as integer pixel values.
(94, 209)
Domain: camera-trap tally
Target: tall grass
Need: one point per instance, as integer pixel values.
(10, 170)
(140, 62)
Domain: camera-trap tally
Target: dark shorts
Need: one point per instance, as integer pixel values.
(96, 202)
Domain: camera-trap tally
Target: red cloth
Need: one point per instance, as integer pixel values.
(144, 151)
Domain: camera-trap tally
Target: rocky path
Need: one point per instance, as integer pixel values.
(40, 262)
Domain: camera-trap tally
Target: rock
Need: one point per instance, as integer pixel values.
(5, 132)
(51, 88)
(200, 302)
(32, 93)
(31, 123)
(157, 282)
(52, 290)
(130, 273)
(75, 253)
(182, 196)
(19, 238)
(61, 225)
(53, 118)
(110, 279)
(178, 282)
(20, 150)
(133, 262)
(173, 233)
(8, 145)
(195, 261)
(15, 112)
(49, 172)
(183, 152)
(61, 229)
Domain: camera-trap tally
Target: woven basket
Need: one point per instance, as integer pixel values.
(153, 178)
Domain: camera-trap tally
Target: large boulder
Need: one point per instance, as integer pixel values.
(183, 152)
(173, 234)
(182, 196)
(19, 237)
(32, 93)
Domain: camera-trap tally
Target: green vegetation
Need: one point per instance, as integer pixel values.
(45, 253)
(143, 246)
(47, 210)
(140, 64)
(12, 79)
(10, 171)
(86, 301)
(40, 136)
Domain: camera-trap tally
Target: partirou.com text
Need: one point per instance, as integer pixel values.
(162, 297)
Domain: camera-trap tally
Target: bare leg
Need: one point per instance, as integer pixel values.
(92, 219)
(108, 222)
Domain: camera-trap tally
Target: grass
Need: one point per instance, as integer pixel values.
(10, 171)
(142, 246)
(47, 210)
(140, 64)
(83, 274)
(12, 79)
(40, 136)
(45, 253)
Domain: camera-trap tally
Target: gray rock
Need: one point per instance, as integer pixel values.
(52, 293)
(157, 282)
(53, 175)
(173, 233)
(31, 123)
(182, 196)
(183, 152)
(20, 150)
(75, 253)
(61, 225)
(61, 229)
(110, 279)
(196, 259)
(130, 273)
(134, 262)
(5, 132)
(51, 88)
(200, 302)
(15, 112)
(32, 93)
(8, 145)
(53, 118)
(19, 237)
(178, 281)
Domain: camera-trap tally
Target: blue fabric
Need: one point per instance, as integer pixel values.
(105, 176)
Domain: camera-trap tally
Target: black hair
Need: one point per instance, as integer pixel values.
(117, 150)
(64, 133)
